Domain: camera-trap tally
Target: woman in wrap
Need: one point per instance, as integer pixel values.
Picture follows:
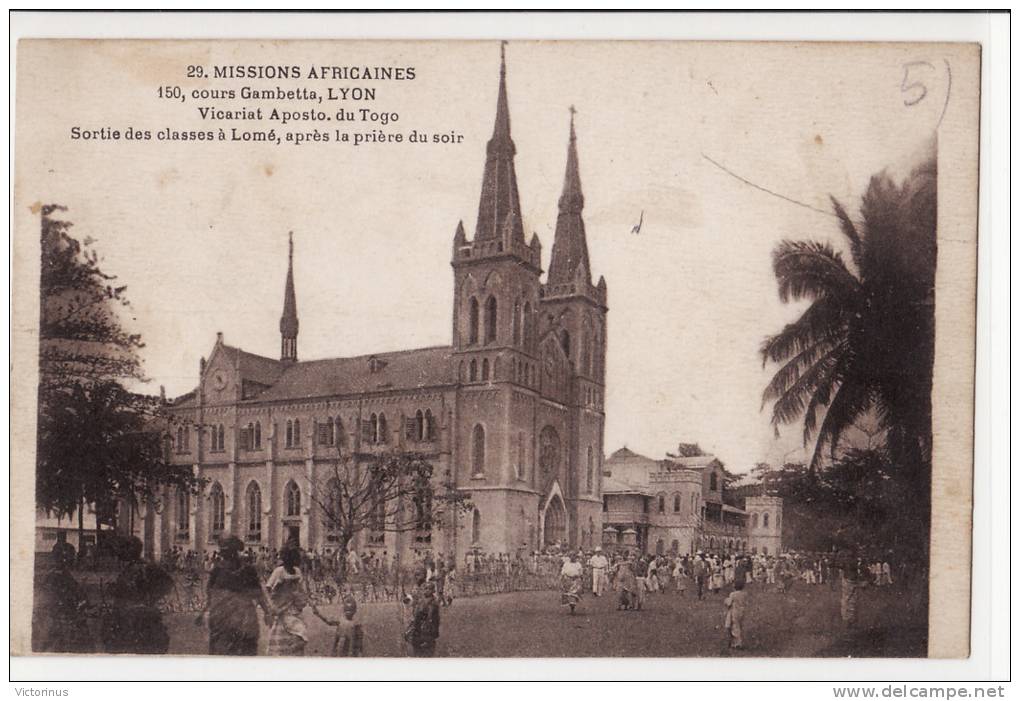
(570, 582)
(287, 634)
(626, 584)
(232, 594)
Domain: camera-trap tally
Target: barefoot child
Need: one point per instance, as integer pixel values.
(736, 602)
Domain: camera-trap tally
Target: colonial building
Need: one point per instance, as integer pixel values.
(678, 505)
(512, 409)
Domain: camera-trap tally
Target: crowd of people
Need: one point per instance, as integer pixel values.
(227, 587)
(632, 576)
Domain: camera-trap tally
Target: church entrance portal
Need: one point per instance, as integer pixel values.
(555, 523)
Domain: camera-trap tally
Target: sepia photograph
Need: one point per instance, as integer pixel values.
(503, 349)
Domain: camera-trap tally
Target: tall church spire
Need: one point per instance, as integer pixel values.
(570, 247)
(499, 209)
(289, 320)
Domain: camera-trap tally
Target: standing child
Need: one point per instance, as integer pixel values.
(736, 603)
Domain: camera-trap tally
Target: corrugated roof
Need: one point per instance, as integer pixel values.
(400, 370)
(615, 485)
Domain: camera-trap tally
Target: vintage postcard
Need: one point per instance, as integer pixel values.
(497, 349)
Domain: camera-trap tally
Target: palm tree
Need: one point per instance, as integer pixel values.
(864, 347)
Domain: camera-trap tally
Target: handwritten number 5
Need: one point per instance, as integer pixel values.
(912, 85)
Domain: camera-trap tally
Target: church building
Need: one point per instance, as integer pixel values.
(512, 409)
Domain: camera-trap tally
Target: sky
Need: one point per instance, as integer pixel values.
(198, 232)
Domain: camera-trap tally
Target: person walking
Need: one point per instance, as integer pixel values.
(288, 634)
(570, 583)
(736, 604)
(598, 564)
(700, 572)
(231, 594)
(424, 628)
(641, 577)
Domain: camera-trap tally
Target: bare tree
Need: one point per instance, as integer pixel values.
(395, 492)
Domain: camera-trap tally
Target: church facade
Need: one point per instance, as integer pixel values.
(512, 410)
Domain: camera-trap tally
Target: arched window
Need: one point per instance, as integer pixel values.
(590, 482)
(430, 426)
(520, 456)
(330, 431)
(419, 425)
(485, 369)
(549, 453)
(713, 482)
(585, 351)
(675, 547)
(332, 508)
(180, 439)
(694, 504)
(765, 520)
(373, 423)
(254, 501)
(217, 509)
(676, 503)
(341, 437)
(258, 435)
(384, 434)
(473, 321)
(517, 323)
(297, 433)
(476, 527)
(527, 324)
(565, 340)
(220, 443)
(754, 520)
(290, 433)
(292, 499)
(478, 451)
(764, 550)
(183, 514)
(490, 319)
(474, 371)
(662, 503)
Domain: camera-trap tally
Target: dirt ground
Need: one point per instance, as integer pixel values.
(802, 623)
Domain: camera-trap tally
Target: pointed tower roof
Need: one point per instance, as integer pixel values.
(570, 247)
(289, 320)
(499, 209)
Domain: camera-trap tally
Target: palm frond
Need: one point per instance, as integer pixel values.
(791, 404)
(811, 269)
(848, 404)
(788, 374)
(825, 320)
(849, 230)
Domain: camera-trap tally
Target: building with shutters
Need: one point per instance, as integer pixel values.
(512, 408)
(679, 505)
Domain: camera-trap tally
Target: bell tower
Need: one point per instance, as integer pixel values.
(571, 305)
(573, 310)
(496, 274)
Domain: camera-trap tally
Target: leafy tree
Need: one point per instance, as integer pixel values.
(864, 347)
(394, 492)
(687, 450)
(97, 442)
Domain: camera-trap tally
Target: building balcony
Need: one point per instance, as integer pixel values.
(625, 517)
